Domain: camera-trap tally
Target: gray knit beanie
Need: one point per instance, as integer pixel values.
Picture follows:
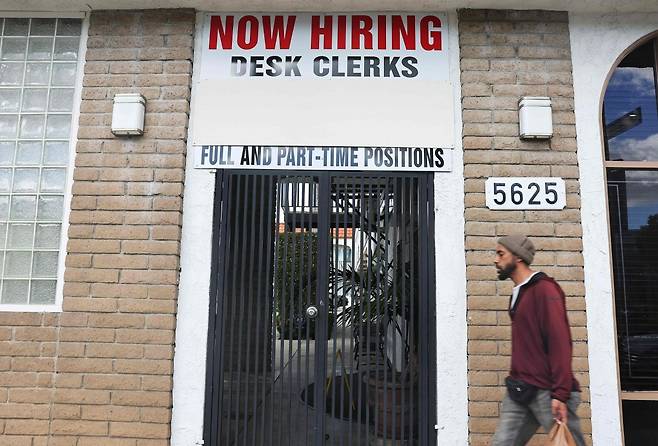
(520, 246)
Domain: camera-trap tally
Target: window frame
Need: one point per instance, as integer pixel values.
(73, 140)
(644, 395)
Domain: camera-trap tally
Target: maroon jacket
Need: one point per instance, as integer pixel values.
(541, 340)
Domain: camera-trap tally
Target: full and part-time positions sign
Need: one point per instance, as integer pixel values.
(323, 158)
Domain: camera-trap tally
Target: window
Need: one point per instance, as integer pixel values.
(630, 112)
(630, 122)
(38, 66)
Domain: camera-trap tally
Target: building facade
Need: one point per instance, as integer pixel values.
(308, 215)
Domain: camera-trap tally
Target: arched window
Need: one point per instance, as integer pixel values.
(630, 122)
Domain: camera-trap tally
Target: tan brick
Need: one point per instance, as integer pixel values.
(33, 364)
(93, 441)
(169, 175)
(94, 246)
(143, 366)
(96, 217)
(144, 430)
(183, 66)
(66, 412)
(35, 334)
(91, 275)
(153, 218)
(68, 380)
(19, 349)
(488, 332)
(37, 396)
(120, 261)
(80, 231)
(79, 427)
(26, 427)
(84, 365)
(81, 396)
(18, 378)
(89, 304)
(132, 174)
(147, 306)
(150, 247)
(73, 320)
(110, 413)
(168, 106)
(167, 352)
(116, 320)
(119, 290)
(135, 67)
(124, 203)
(78, 260)
(112, 382)
(156, 277)
(164, 262)
(155, 415)
(113, 351)
(150, 336)
(171, 232)
(12, 318)
(121, 232)
(163, 383)
(162, 291)
(485, 393)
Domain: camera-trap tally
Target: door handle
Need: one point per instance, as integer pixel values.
(312, 312)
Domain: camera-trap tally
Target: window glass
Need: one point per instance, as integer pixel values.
(38, 65)
(630, 109)
(633, 198)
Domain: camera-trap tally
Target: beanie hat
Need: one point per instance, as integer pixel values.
(520, 246)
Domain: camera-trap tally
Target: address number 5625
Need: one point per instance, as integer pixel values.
(506, 193)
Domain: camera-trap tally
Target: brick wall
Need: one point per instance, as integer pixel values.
(506, 55)
(100, 372)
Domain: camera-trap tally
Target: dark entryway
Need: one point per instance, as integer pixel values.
(321, 327)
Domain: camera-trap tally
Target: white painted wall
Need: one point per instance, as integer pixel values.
(452, 372)
(192, 319)
(597, 41)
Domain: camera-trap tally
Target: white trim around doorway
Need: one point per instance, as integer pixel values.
(194, 289)
(193, 299)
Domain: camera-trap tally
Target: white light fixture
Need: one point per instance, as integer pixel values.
(535, 117)
(128, 114)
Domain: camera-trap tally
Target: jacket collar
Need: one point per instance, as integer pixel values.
(533, 279)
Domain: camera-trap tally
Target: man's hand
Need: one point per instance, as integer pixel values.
(559, 410)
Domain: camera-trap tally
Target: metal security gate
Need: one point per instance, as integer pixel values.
(322, 309)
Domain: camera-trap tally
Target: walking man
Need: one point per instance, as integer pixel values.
(541, 388)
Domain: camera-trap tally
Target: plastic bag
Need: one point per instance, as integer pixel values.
(560, 436)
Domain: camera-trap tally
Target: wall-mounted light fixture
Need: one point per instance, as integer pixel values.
(535, 117)
(128, 114)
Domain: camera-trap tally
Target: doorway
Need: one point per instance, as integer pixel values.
(321, 325)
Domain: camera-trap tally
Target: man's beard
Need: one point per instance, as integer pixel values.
(505, 272)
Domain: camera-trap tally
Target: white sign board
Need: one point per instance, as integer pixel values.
(328, 79)
(323, 158)
(525, 193)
